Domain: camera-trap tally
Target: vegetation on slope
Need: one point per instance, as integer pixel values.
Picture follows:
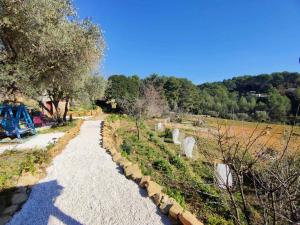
(274, 97)
(257, 168)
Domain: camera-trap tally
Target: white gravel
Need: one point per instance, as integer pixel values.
(84, 186)
(39, 141)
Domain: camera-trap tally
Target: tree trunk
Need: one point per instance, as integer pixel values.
(57, 111)
(137, 128)
(41, 104)
(66, 109)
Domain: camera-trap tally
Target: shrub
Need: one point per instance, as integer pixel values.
(126, 148)
(243, 116)
(261, 116)
(177, 195)
(168, 133)
(162, 165)
(177, 162)
(213, 113)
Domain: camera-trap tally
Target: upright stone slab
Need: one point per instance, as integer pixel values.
(175, 135)
(188, 146)
(223, 176)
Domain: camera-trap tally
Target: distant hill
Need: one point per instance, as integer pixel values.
(266, 97)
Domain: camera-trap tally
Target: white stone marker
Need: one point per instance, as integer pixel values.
(223, 176)
(188, 146)
(175, 135)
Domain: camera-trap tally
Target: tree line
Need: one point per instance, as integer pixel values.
(46, 50)
(267, 97)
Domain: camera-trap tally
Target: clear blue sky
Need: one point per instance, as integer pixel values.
(203, 40)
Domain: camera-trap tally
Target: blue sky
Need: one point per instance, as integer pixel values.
(202, 40)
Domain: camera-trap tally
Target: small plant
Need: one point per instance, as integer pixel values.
(177, 195)
(162, 165)
(28, 164)
(177, 162)
(168, 133)
(126, 147)
(218, 220)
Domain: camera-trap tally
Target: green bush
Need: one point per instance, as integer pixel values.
(126, 148)
(177, 162)
(162, 165)
(168, 133)
(177, 195)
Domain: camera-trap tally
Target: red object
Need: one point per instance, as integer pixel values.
(37, 120)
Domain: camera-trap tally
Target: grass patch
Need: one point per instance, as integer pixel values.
(60, 128)
(14, 163)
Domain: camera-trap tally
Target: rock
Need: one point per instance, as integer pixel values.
(144, 181)
(153, 188)
(131, 169)
(117, 156)
(27, 180)
(10, 210)
(175, 211)
(4, 219)
(112, 151)
(188, 218)
(19, 198)
(166, 203)
(157, 198)
(137, 175)
(124, 162)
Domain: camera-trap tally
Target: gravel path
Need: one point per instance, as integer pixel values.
(84, 186)
(39, 141)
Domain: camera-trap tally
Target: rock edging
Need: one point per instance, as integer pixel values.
(166, 204)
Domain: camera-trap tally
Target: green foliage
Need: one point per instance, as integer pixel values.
(115, 117)
(126, 148)
(162, 165)
(218, 220)
(261, 116)
(168, 133)
(177, 162)
(94, 88)
(49, 53)
(278, 105)
(237, 98)
(177, 195)
(14, 163)
(124, 90)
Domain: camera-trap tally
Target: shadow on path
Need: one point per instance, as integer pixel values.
(40, 206)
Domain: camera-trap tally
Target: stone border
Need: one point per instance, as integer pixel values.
(166, 204)
(21, 192)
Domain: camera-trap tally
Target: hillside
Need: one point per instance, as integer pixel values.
(267, 97)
